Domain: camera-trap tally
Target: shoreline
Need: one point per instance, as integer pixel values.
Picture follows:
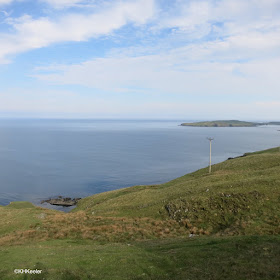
(67, 201)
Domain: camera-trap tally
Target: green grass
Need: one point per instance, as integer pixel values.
(143, 232)
(194, 259)
(20, 216)
(20, 205)
(240, 196)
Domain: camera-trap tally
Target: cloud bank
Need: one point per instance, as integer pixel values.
(190, 52)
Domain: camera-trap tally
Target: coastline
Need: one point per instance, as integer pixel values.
(61, 203)
(230, 215)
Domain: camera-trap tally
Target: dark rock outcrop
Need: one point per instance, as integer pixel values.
(244, 155)
(62, 201)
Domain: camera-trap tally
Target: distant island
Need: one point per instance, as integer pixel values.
(228, 123)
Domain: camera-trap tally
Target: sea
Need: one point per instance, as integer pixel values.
(44, 158)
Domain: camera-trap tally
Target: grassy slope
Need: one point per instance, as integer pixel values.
(211, 258)
(19, 216)
(104, 238)
(222, 123)
(243, 190)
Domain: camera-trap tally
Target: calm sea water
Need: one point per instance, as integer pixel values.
(45, 158)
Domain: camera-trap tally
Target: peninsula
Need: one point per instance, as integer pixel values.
(228, 123)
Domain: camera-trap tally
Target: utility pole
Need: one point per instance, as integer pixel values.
(210, 140)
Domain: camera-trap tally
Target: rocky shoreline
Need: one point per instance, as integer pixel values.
(62, 201)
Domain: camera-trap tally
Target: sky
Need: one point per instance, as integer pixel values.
(140, 59)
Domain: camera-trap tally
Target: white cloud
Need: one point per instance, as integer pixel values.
(32, 33)
(221, 19)
(189, 14)
(240, 24)
(248, 40)
(202, 68)
(210, 48)
(5, 2)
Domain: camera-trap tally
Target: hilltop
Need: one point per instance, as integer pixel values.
(178, 230)
(228, 123)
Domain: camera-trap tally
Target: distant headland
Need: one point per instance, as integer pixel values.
(228, 123)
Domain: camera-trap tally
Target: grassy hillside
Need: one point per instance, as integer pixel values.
(240, 196)
(223, 225)
(222, 123)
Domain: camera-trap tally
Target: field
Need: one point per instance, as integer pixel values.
(223, 225)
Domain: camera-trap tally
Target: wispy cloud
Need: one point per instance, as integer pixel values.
(248, 24)
(30, 33)
(223, 48)
(220, 67)
(200, 49)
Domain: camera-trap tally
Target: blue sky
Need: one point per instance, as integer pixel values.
(158, 59)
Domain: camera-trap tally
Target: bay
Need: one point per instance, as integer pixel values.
(42, 158)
